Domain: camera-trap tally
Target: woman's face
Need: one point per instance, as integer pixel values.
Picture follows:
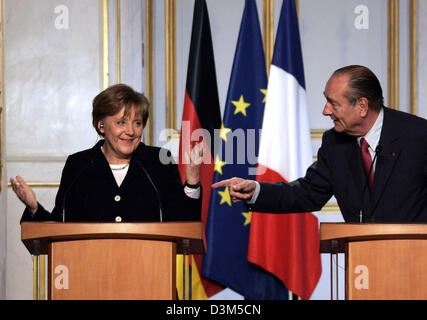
(122, 135)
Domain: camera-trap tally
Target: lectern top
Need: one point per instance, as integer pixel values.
(188, 235)
(333, 236)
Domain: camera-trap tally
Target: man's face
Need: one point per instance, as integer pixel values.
(347, 118)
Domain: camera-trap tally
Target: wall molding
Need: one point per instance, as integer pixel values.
(268, 31)
(393, 54)
(2, 100)
(413, 85)
(39, 184)
(37, 158)
(317, 134)
(105, 46)
(118, 41)
(330, 208)
(170, 45)
(149, 68)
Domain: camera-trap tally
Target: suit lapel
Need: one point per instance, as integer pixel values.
(386, 159)
(355, 166)
(355, 181)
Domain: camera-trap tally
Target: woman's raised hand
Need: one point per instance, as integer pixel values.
(193, 162)
(24, 193)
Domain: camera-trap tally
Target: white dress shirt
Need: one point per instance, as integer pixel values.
(373, 136)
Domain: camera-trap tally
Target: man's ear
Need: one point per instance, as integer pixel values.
(363, 105)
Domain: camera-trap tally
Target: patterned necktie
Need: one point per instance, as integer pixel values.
(367, 162)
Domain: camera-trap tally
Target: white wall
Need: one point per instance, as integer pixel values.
(330, 40)
(52, 75)
(3, 240)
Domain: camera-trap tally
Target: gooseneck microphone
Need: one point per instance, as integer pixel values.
(76, 178)
(377, 151)
(155, 189)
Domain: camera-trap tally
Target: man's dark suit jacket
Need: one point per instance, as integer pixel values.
(400, 183)
(89, 192)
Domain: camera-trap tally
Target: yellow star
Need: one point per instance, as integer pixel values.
(248, 217)
(241, 106)
(225, 196)
(223, 132)
(219, 164)
(264, 91)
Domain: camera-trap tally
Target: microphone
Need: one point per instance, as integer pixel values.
(77, 177)
(155, 189)
(377, 151)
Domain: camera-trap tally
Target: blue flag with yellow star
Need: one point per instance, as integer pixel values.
(227, 230)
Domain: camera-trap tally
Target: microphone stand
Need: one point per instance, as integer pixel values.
(155, 189)
(77, 177)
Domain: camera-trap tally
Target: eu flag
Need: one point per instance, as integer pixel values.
(227, 230)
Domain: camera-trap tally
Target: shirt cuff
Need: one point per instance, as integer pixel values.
(192, 192)
(256, 193)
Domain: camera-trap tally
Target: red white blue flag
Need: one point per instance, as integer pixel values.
(286, 245)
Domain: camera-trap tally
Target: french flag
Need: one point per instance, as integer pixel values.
(286, 245)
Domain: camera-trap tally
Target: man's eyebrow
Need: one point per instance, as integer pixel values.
(326, 97)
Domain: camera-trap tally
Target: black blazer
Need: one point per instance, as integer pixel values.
(89, 192)
(400, 182)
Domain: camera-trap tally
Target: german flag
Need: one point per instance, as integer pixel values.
(201, 111)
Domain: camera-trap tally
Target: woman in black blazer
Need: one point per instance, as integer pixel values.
(120, 178)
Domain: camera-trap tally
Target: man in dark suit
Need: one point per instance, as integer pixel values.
(374, 160)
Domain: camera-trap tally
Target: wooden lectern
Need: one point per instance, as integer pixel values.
(112, 260)
(383, 261)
